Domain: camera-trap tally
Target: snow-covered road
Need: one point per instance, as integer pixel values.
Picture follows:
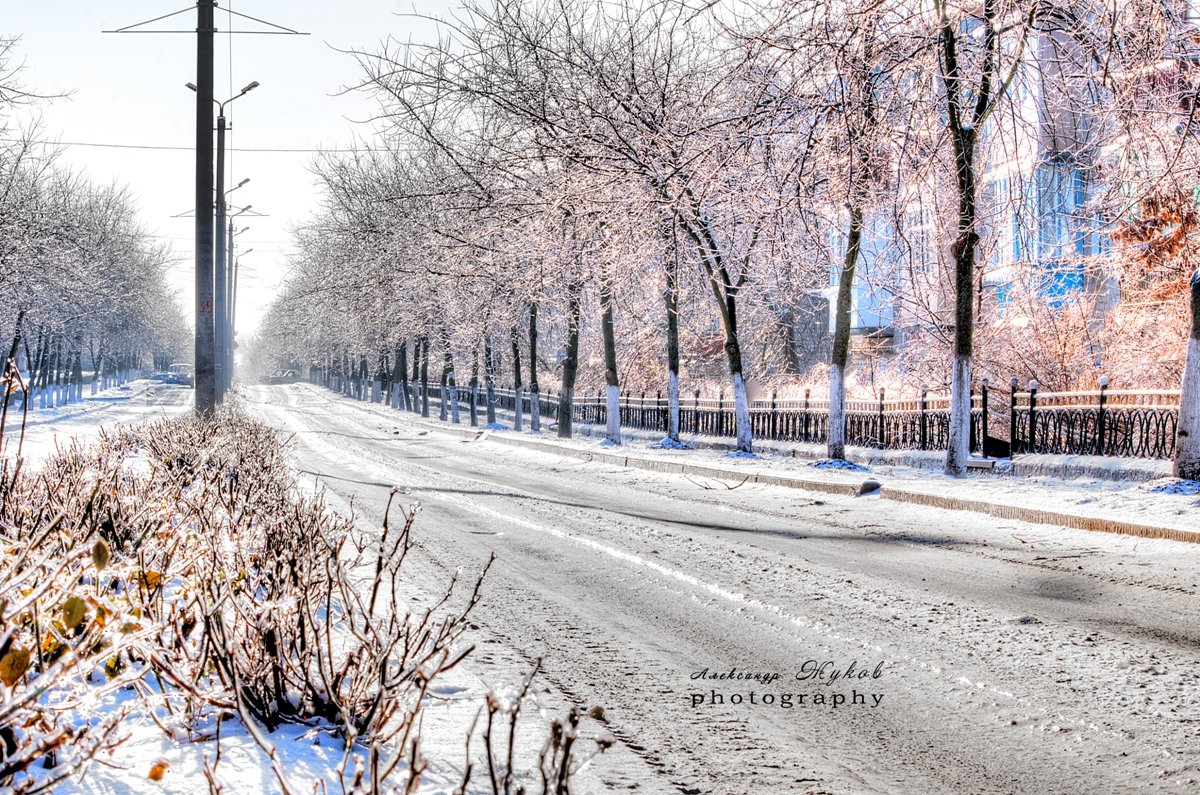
(996, 656)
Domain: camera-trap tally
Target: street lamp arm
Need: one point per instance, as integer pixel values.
(221, 105)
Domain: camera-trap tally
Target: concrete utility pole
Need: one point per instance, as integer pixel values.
(206, 319)
(231, 290)
(205, 352)
(224, 335)
(220, 339)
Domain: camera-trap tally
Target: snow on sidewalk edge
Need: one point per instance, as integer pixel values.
(997, 509)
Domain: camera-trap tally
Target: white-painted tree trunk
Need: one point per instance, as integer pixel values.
(612, 399)
(1187, 436)
(837, 413)
(958, 449)
(376, 391)
(673, 406)
(518, 413)
(454, 415)
(535, 413)
(741, 413)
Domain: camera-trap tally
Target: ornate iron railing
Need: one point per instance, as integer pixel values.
(1105, 422)
(921, 424)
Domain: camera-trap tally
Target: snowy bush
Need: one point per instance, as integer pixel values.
(70, 620)
(179, 559)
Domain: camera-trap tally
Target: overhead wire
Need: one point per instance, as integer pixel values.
(155, 147)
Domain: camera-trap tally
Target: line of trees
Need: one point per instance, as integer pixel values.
(667, 183)
(82, 287)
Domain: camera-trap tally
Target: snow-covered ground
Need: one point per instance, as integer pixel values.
(135, 402)
(1011, 657)
(308, 754)
(1164, 502)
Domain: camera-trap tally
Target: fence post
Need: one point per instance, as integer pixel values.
(721, 412)
(774, 420)
(806, 394)
(924, 417)
(1012, 417)
(1033, 387)
(1101, 414)
(983, 419)
(881, 440)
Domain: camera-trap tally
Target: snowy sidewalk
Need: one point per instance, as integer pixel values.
(1147, 509)
(1160, 507)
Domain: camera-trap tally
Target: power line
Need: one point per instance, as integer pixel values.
(256, 242)
(280, 150)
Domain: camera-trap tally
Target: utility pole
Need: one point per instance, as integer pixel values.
(222, 335)
(206, 317)
(205, 352)
(235, 263)
(220, 338)
(231, 300)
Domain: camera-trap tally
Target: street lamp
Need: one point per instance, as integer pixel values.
(223, 331)
(237, 262)
(231, 282)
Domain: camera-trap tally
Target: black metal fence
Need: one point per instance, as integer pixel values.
(1123, 423)
(1104, 422)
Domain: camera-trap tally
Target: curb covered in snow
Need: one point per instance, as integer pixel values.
(999, 510)
(1065, 467)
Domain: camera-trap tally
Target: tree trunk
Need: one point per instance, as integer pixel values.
(733, 354)
(1187, 438)
(416, 376)
(518, 394)
(444, 402)
(449, 379)
(35, 358)
(671, 298)
(10, 370)
(474, 385)
(959, 441)
(535, 407)
(570, 362)
(77, 372)
(612, 383)
(98, 368)
(424, 346)
(489, 380)
(724, 290)
(400, 378)
(841, 339)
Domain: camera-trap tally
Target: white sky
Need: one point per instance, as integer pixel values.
(129, 89)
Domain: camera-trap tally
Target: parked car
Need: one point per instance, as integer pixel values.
(283, 377)
(181, 373)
